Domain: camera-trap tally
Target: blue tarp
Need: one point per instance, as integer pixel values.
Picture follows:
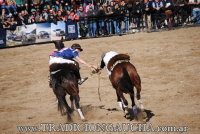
(2, 38)
(71, 30)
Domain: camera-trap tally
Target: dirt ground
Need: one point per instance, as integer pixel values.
(168, 63)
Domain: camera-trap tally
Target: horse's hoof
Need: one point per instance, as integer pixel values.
(127, 116)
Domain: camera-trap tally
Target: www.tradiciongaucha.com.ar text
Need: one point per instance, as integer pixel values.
(101, 127)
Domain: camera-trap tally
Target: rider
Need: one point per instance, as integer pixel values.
(66, 55)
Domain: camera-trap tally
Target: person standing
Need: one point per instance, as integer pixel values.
(147, 11)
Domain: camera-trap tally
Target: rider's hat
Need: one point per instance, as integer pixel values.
(76, 46)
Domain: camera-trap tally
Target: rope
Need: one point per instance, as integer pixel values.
(99, 86)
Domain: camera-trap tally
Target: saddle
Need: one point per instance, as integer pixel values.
(58, 72)
(117, 59)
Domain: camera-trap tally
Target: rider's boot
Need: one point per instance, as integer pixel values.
(81, 80)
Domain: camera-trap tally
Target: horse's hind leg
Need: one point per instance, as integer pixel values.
(119, 101)
(138, 87)
(62, 103)
(133, 103)
(124, 102)
(77, 99)
(72, 102)
(64, 107)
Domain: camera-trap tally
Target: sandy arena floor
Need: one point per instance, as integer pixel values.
(168, 63)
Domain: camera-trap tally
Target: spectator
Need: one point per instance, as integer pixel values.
(4, 8)
(12, 6)
(66, 17)
(53, 8)
(109, 20)
(57, 5)
(12, 23)
(125, 15)
(195, 10)
(32, 16)
(157, 6)
(5, 23)
(89, 6)
(47, 2)
(51, 17)
(1, 19)
(97, 6)
(116, 19)
(91, 15)
(137, 13)
(37, 16)
(181, 12)
(74, 16)
(168, 7)
(101, 21)
(147, 11)
(20, 19)
(45, 14)
(59, 16)
(82, 32)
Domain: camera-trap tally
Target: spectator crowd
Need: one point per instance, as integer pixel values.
(101, 17)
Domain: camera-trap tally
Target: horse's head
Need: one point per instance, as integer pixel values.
(59, 44)
(102, 65)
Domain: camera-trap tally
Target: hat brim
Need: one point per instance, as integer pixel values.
(78, 48)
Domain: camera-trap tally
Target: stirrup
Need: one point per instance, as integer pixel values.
(80, 81)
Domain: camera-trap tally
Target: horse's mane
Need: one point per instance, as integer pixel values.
(117, 58)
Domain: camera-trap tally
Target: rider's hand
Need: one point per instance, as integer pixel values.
(94, 69)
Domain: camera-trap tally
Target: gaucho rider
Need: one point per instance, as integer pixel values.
(67, 55)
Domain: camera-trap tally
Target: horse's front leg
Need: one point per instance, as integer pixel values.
(77, 99)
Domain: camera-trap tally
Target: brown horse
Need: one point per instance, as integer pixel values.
(63, 81)
(124, 78)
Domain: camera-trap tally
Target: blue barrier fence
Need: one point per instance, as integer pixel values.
(2, 38)
(38, 33)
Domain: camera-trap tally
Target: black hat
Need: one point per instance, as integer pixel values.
(76, 46)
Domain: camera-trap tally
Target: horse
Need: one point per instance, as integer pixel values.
(123, 77)
(63, 81)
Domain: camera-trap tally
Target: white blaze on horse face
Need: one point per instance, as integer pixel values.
(81, 114)
(120, 105)
(135, 110)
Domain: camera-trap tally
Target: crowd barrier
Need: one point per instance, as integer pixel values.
(86, 27)
(38, 33)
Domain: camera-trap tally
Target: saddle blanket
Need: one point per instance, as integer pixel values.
(53, 59)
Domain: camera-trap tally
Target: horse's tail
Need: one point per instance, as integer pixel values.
(60, 93)
(63, 107)
(125, 82)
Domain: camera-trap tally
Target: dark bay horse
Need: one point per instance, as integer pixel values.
(124, 78)
(63, 81)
